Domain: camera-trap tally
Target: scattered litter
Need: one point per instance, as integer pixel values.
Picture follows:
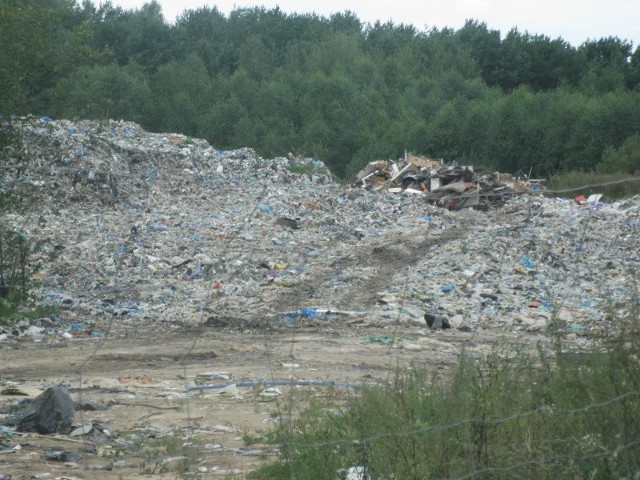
(354, 473)
(83, 430)
(270, 392)
(378, 339)
(147, 206)
(209, 377)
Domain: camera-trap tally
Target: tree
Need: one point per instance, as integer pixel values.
(102, 92)
(633, 76)
(484, 46)
(625, 159)
(607, 62)
(140, 36)
(41, 41)
(181, 91)
(204, 31)
(346, 23)
(387, 38)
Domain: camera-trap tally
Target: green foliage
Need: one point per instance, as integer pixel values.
(103, 92)
(14, 266)
(511, 415)
(11, 311)
(612, 186)
(181, 90)
(624, 159)
(15, 247)
(607, 65)
(333, 87)
(42, 40)
(170, 453)
(140, 36)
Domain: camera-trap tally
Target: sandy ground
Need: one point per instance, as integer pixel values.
(141, 377)
(160, 427)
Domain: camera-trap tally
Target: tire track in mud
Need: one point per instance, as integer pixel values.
(352, 280)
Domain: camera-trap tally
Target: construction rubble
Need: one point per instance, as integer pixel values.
(452, 186)
(131, 229)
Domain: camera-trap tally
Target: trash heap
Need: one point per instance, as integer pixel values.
(111, 162)
(132, 229)
(540, 264)
(452, 186)
(142, 227)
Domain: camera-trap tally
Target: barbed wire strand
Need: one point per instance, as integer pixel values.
(54, 169)
(541, 409)
(467, 421)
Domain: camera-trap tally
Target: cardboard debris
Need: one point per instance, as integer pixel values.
(451, 186)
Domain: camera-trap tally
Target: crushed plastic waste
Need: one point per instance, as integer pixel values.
(136, 228)
(51, 412)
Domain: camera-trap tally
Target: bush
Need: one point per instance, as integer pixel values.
(14, 268)
(613, 186)
(624, 159)
(15, 195)
(511, 415)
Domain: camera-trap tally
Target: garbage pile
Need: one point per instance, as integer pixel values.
(138, 227)
(132, 229)
(452, 186)
(540, 264)
(108, 162)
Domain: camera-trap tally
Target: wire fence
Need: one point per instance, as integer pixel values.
(626, 401)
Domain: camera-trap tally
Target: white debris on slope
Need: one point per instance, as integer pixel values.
(144, 228)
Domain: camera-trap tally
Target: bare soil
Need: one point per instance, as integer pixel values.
(160, 429)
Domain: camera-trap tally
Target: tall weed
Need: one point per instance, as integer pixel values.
(556, 414)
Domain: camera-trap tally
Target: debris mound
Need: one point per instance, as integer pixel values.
(452, 186)
(131, 229)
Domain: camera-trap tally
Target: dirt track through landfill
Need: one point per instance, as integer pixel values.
(139, 374)
(183, 279)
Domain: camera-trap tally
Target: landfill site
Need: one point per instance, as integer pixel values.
(197, 292)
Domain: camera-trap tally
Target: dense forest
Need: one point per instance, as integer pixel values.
(333, 88)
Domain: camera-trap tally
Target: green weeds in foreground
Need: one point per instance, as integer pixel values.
(512, 415)
(10, 312)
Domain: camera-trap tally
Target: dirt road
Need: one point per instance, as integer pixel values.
(162, 424)
(140, 377)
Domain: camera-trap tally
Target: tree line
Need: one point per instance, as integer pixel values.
(333, 88)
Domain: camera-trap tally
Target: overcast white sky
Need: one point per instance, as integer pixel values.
(573, 20)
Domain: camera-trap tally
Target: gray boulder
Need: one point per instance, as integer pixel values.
(52, 411)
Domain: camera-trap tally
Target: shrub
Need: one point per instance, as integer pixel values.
(612, 185)
(511, 415)
(15, 195)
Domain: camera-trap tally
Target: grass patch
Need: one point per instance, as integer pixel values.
(12, 312)
(620, 185)
(172, 453)
(307, 167)
(511, 415)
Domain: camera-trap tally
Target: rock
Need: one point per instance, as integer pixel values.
(61, 456)
(51, 412)
(436, 322)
